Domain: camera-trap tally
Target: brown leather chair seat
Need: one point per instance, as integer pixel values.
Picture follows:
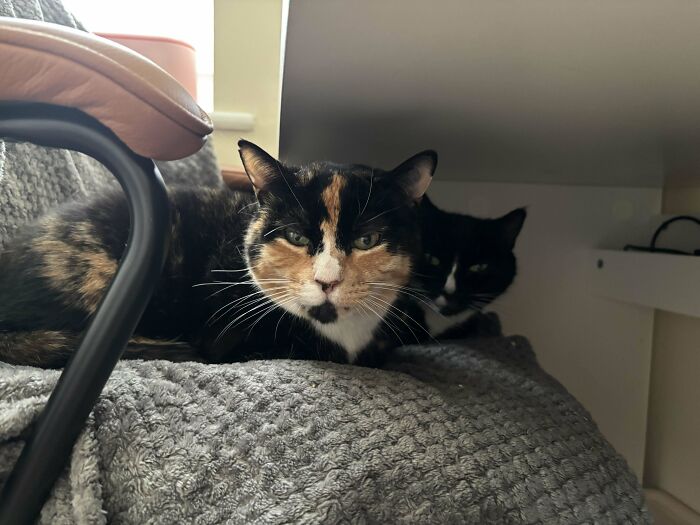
(142, 104)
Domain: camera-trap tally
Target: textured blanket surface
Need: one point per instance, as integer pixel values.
(459, 433)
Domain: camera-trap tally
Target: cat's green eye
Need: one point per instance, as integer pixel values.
(296, 238)
(478, 268)
(367, 241)
(434, 261)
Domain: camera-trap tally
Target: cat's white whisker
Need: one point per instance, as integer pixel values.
(416, 295)
(371, 183)
(265, 300)
(273, 230)
(278, 324)
(227, 309)
(379, 301)
(360, 308)
(385, 321)
(419, 325)
(274, 307)
(243, 302)
(270, 308)
(290, 187)
(248, 206)
(213, 283)
(417, 290)
(232, 271)
(380, 214)
(219, 291)
(367, 315)
(228, 306)
(400, 289)
(234, 283)
(249, 283)
(268, 298)
(389, 311)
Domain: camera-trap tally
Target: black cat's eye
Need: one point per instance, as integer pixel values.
(432, 260)
(296, 238)
(367, 241)
(478, 268)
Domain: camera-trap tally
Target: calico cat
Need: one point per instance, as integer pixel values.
(325, 244)
(465, 267)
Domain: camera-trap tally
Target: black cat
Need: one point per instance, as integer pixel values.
(467, 263)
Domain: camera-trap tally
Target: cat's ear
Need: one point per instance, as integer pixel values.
(510, 226)
(414, 175)
(262, 169)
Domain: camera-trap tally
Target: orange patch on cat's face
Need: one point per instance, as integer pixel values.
(331, 200)
(278, 260)
(329, 227)
(377, 265)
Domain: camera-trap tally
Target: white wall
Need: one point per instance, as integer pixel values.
(247, 59)
(673, 451)
(598, 348)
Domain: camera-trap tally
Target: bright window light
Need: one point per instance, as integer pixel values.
(189, 21)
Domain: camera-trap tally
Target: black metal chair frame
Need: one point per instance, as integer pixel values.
(49, 445)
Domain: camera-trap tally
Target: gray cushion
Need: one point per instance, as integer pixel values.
(460, 433)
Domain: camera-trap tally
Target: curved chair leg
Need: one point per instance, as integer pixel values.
(47, 450)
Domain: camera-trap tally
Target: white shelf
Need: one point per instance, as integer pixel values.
(656, 280)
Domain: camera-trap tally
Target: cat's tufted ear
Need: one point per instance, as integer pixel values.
(414, 175)
(262, 169)
(510, 225)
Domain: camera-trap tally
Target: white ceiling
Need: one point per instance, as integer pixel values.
(582, 92)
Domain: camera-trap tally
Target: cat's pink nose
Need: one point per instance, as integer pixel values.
(327, 286)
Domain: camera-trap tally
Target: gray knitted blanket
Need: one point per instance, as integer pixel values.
(461, 433)
(465, 433)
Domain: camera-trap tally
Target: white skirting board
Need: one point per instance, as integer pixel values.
(667, 510)
(656, 280)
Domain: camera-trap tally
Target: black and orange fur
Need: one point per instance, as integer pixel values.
(213, 301)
